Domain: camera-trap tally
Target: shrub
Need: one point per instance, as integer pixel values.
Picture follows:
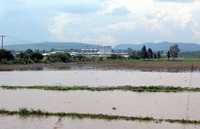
(5, 55)
(59, 57)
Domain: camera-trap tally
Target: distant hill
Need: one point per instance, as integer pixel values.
(50, 45)
(185, 47)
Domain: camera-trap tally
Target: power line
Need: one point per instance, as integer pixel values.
(2, 40)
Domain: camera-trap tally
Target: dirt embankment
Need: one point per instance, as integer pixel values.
(171, 66)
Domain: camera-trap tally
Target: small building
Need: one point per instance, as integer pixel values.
(73, 53)
(89, 51)
(105, 50)
(53, 52)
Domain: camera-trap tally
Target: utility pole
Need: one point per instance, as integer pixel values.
(2, 40)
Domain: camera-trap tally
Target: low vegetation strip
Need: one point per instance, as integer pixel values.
(28, 113)
(119, 88)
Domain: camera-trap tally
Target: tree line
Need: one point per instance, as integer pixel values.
(29, 56)
(145, 53)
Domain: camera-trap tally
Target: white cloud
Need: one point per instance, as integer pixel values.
(196, 30)
(107, 21)
(134, 6)
(165, 17)
(122, 26)
(58, 25)
(77, 28)
(144, 20)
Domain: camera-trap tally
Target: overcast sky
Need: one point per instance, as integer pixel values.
(100, 21)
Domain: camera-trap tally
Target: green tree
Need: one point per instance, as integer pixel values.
(168, 55)
(36, 57)
(29, 56)
(29, 51)
(24, 58)
(144, 53)
(174, 51)
(59, 57)
(5, 55)
(150, 53)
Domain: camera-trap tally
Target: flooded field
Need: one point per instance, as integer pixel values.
(157, 105)
(13, 122)
(100, 78)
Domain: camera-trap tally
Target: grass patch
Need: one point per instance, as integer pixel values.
(119, 88)
(28, 113)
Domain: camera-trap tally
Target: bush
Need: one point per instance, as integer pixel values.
(59, 57)
(36, 57)
(5, 56)
(81, 58)
(29, 56)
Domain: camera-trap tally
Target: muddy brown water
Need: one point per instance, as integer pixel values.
(158, 105)
(100, 78)
(14, 122)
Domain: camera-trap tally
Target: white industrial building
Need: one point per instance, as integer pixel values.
(105, 50)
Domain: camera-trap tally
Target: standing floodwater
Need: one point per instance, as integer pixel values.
(100, 78)
(12, 122)
(157, 105)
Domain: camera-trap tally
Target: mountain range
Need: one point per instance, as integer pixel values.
(184, 47)
(51, 45)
